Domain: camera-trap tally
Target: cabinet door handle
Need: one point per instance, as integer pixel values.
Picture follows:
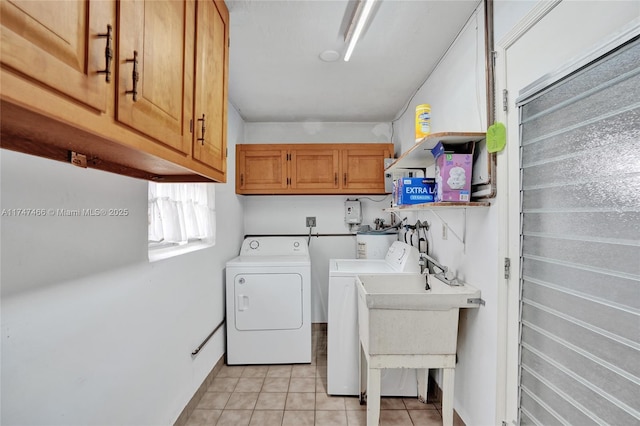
(201, 139)
(108, 54)
(335, 179)
(134, 76)
(345, 179)
(242, 179)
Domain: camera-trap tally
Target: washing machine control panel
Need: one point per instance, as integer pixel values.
(403, 257)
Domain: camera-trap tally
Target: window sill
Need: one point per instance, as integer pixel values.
(160, 253)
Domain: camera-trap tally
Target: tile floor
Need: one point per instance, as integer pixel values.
(296, 395)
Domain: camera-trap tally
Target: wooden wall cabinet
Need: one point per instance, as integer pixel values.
(211, 81)
(70, 71)
(57, 43)
(155, 43)
(289, 169)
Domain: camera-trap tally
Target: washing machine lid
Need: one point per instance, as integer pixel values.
(359, 266)
(401, 258)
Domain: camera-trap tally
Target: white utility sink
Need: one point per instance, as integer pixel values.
(408, 292)
(404, 325)
(397, 315)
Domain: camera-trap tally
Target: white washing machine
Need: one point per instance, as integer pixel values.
(374, 244)
(343, 347)
(268, 301)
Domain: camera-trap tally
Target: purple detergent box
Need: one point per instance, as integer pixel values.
(416, 190)
(454, 166)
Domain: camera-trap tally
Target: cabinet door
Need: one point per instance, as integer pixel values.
(57, 43)
(315, 169)
(261, 171)
(212, 31)
(156, 37)
(363, 169)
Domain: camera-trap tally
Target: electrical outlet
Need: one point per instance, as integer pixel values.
(444, 231)
(311, 221)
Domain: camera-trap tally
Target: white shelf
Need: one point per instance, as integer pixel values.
(438, 206)
(419, 156)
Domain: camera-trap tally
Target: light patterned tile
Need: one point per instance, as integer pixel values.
(303, 371)
(235, 418)
(279, 371)
(395, 418)
(357, 418)
(223, 384)
(249, 384)
(275, 384)
(326, 402)
(271, 401)
(203, 417)
(298, 418)
(302, 384)
(300, 401)
(242, 401)
(391, 403)
(255, 371)
(230, 371)
(321, 370)
(266, 418)
(416, 404)
(321, 385)
(352, 403)
(426, 417)
(331, 418)
(214, 400)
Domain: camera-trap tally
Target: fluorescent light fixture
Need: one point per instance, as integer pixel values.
(355, 30)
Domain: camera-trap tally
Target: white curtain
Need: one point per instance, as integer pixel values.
(181, 212)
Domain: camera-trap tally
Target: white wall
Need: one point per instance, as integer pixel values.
(286, 214)
(92, 333)
(455, 89)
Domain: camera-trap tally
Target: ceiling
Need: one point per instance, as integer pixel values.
(276, 74)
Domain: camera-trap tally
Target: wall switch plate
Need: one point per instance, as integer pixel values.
(311, 221)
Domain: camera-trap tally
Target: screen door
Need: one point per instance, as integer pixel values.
(580, 251)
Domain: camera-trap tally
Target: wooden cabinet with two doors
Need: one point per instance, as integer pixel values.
(350, 168)
(134, 87)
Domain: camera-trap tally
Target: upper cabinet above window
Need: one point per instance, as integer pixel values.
(135, 87)
(62, 45)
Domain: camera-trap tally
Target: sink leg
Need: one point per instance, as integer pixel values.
(423, 381)
(373, 396)
(448, 381)
(362, 374)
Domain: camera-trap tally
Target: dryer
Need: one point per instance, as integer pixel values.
(343, 347)
(268, 302)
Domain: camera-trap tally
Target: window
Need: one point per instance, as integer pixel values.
(181, 218)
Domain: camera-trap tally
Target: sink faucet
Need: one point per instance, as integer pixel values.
(444, 275)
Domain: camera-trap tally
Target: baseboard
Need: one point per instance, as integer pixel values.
(195, 399)
(435, 397)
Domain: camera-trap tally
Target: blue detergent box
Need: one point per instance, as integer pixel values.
(416, 190)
